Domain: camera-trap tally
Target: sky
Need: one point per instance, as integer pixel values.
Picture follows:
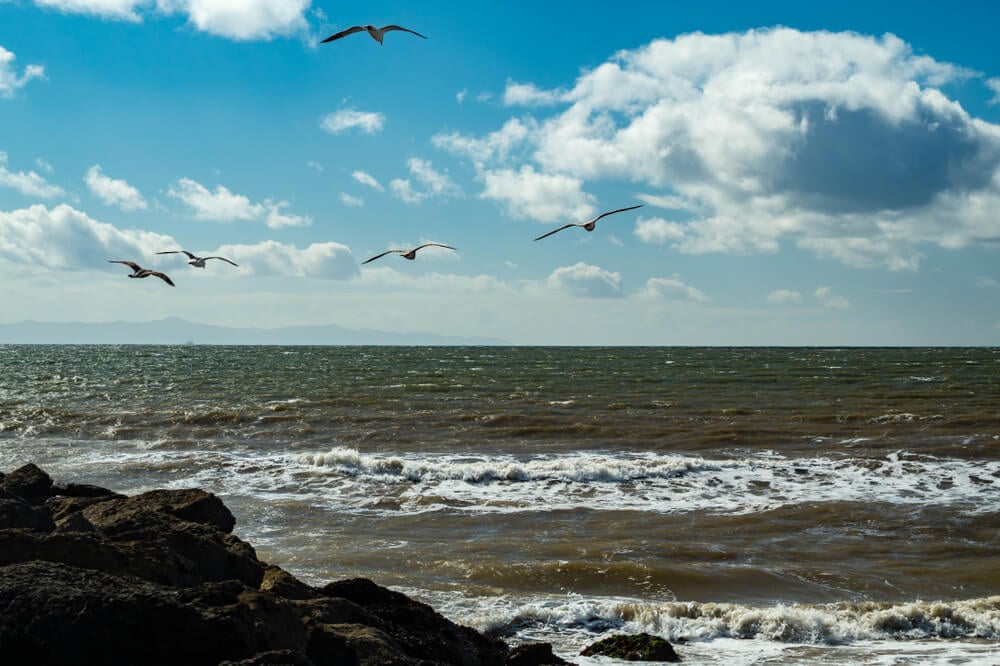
(809, 174)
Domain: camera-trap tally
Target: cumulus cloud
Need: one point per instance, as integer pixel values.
(828, 299)
(784, 297)
(10, 80)
(244, 20)
(367, 180)
(63, 238)
(221, 205)
(671, 289)
(658, 230)
(430, 183)
(585, 280)
(323, 261)
(29, 184)
(495, 146)
(337, 122)
(994, 85)
(544, 197)
(526, 94)
(112, 191)
(842, 143)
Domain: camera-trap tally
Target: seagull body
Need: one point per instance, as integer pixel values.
(140, 272)
(377, 33)
(197, 262)
(407, 254)
(589, 224)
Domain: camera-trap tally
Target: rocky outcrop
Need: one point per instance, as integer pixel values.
(636, 647)
(89, 576)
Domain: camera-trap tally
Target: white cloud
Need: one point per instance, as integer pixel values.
(543, 197)
(671, 288)
(367, 179)
(460, 95)
(242, 20)
(221, 205)
(585, 280)
(658, 230)
(112, 191)
(368, 122)
(526, 94)
(44, 166)
(350, 200)
(315, 166)
(842, 143)
(496, 146)
(432, 183)
(784, 296)
(64, 238)
(324, 261)
(994, 85)
(10, 81)
(29, 184)
(984, 282)
(828, 299)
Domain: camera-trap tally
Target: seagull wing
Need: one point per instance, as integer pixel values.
(565, 226)
(387, 28)
(172, 252)
(163, 277)
(223, 259)
(612, 212)
(131, 264)
(419, 247)
(379, 256)
(344, 33)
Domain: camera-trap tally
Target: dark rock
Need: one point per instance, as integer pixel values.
(88, 576)
(15, 512)
(28, 482)
(637, 647)
(535, 654)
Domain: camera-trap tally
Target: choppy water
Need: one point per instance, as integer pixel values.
(752, 505)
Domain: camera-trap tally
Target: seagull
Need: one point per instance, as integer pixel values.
(377, 33)
(589, 224)
(197, 262)
(408, 254)
(140, 272)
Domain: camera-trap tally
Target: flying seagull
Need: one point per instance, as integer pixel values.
(377, 33)
(408, 254)
(140, 272)
(589, 224)
(197, 262)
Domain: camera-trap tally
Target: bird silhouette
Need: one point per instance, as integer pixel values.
(407, 254)
(197, 262)
(377, 33)
(589, 224)
(140, 272)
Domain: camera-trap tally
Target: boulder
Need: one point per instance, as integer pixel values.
(29, 482)
(636, 647)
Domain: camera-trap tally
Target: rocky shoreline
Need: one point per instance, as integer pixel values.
(90, 576)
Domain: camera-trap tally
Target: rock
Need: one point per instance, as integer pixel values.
(535, 654)
(28, 482)
(91, 577)
(637, 647)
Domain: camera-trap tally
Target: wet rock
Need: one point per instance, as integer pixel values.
(535, 654)
(637, 647)
(92, 577)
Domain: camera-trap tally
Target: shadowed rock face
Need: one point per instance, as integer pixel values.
(88, 576)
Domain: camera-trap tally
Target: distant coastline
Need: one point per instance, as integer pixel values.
(176, 331)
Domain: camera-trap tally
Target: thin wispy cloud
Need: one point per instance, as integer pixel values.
(828, 299)
(367, 180)
(222, 205)
(113, 191)
(784, 297)
(424, 182)
(351, 200)
(368, 122)
(671, 289)
(27, 183)
(10, 80)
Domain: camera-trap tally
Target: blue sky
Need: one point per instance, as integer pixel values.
(809, 175)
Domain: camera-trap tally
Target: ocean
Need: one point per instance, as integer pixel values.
(751, 505)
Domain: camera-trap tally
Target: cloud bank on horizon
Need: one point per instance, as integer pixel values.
(849, 147)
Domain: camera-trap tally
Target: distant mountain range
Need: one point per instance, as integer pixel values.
(175, 331)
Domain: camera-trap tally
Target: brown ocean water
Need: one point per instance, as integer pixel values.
(765, 505)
